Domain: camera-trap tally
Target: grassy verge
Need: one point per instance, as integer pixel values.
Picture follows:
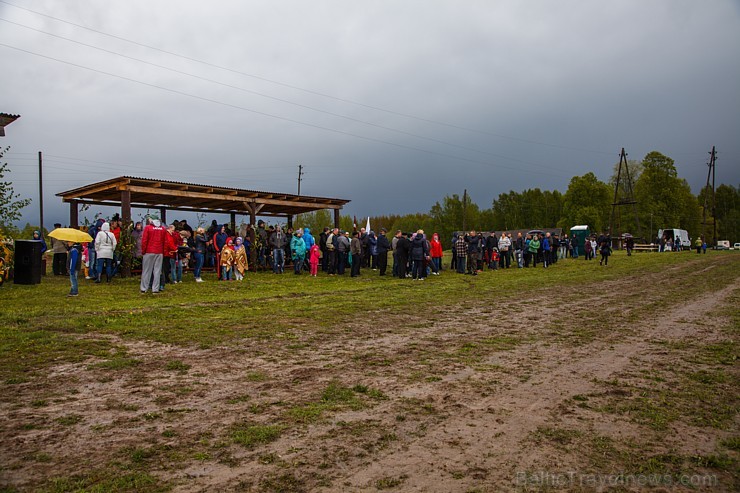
(38, 323)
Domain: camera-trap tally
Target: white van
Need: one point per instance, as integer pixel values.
(680, 235)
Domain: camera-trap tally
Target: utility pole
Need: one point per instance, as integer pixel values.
(300, 175)
(41, 196)
(711, 164)
(714, 198)
(465, 207)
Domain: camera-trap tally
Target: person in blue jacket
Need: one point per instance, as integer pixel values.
(37, 236)
(308, 238)
(73, 266)
(546, 260)
(309, 241)
(372, 245)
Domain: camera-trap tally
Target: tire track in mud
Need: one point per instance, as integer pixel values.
(490, 430)
(479, 436)
(482, 411)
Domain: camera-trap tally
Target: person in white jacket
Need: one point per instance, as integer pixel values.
(504, 249)
(105, 245)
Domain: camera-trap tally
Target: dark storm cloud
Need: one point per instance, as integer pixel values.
(506, 95)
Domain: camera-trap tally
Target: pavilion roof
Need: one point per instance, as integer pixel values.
(173, 195)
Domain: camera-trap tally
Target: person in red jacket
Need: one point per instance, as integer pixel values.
(435, 252)
(152, 248)
(115, 228)
(170, 253)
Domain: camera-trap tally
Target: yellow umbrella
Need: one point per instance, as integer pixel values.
(70, 234)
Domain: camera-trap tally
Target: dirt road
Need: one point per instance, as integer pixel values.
(560, 391)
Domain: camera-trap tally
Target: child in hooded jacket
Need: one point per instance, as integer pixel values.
(313, 259)
(495, 259)
(227, 260)
(85, 260)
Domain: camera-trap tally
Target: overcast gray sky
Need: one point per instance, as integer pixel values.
(392, 104)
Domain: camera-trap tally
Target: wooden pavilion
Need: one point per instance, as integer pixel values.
(127, 192)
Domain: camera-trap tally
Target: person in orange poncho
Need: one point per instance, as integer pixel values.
(227, 260)
(240, 259)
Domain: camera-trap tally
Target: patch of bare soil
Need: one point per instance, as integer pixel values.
(467, 399)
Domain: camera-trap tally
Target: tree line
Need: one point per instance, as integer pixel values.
(664, 200)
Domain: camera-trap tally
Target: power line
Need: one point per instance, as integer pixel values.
(286, 101)
(148, 168)
(115, 167)
(141, 167)
(115, 170)
(309, 91)
(290, 120)
(251, 173)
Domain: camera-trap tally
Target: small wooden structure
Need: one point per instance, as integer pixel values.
(640, 247)
(127, 192)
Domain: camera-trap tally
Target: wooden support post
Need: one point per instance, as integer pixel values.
(163, 216)
(290, 221)
(252, 215)
(128, 255)
(125, 207)
(74, 221)
(253, 210)
(233, 223)
(336, 218)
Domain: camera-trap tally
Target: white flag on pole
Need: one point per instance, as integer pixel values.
(367, 226)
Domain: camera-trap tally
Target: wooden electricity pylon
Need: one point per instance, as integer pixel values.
(627, 198)
(711, 164)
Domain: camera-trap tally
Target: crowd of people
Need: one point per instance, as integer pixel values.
(336, 252)
(473, 250)
(164, 252)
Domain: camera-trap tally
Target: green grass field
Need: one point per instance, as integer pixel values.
(288, 383)
(36, 320)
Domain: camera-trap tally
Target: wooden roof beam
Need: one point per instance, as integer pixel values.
(227, 198)
(185, 193)
(98, 189)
